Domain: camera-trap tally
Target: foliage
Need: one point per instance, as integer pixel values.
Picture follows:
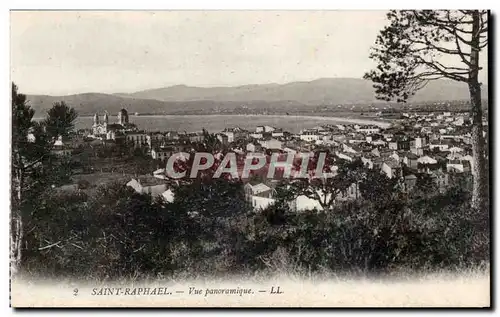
(425, 184)
(208, 229)
(60, 120)
(418, 46)
(326, 189)
(34, 167)
(377, 187)
(408, 50)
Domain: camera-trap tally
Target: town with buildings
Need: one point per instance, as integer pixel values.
(250, 158)
(434, 143)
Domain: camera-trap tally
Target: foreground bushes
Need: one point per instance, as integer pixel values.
(116, 233)
(363, 237)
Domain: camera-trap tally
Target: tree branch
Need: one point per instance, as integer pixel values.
(459, 50)
(437, 48)
(452, 75)
(50, 246)
(458, 70)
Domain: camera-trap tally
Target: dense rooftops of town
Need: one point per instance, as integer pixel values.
(438, 144)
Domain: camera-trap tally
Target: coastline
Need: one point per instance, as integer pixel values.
(381, 123)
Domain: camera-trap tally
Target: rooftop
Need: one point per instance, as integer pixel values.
(260, 188)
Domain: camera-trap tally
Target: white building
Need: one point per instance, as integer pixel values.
(426, 160)
(273, 144)
(168, 196)
(391, 168)
(420, 142)
(265, 128)
(151, 189)
(304, 203)
(256, 135)
(455, 166)
(346, 156)
(234, 133)
(441, 147)
(261, 203)
(368, 129)
(277, 133)
(310, 136)
(347, 149)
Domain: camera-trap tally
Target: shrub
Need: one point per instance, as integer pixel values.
(117, 233)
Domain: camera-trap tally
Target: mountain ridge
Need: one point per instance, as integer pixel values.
(325, 92)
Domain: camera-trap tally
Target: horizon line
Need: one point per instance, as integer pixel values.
(203, 87)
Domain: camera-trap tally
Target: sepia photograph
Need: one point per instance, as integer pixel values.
(250, 158)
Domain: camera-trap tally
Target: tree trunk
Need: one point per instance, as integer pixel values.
(16, 226)
(479, 169)
(16, 244)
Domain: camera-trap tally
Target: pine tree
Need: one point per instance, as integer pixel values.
(412, 50)
(32, 165)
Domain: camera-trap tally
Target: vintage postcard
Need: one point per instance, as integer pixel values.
(250, 159)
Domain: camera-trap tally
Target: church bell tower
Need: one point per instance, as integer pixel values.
(106, 119)
(96, 119)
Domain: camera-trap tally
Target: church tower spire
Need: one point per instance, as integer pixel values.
(123, 117)
(106, 119)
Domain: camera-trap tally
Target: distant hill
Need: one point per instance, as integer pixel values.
(316, 92)
(293, 96)
(90, 103)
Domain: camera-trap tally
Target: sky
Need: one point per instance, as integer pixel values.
(59, 53)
